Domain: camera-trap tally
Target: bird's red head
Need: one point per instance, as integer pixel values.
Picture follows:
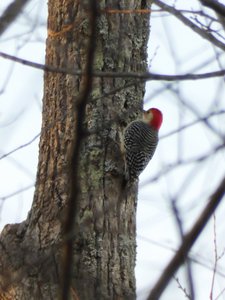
(153, 117)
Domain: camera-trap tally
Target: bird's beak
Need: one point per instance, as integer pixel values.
(148, 115)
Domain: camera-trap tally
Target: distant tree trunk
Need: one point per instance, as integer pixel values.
(104, 247)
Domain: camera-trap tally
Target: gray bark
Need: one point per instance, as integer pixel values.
(104, 247)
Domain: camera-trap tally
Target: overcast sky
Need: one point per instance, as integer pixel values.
(173, 49)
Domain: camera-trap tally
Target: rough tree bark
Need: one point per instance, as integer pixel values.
(32, 253)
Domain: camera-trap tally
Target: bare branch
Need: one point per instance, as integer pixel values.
(180, 163)
(215, 5)
(195, 258)
(17, 192)
(183, 289)
(20, 147)
(179, 222)
(188, 241)
(198, 120)
(216, 257)
(11, 13)
(219, 9)
(203, 33)
(132, 75)
(78, 132)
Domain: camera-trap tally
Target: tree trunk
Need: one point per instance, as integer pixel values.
(89, 190)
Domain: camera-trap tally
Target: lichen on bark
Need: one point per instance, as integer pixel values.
(104, 246)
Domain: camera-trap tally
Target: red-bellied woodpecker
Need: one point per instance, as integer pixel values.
(140, 142)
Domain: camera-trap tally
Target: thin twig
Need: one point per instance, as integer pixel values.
(132, 75)
(20, 147)
(17, 192)
(215, 257)
(203, 33)
(188, 241)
